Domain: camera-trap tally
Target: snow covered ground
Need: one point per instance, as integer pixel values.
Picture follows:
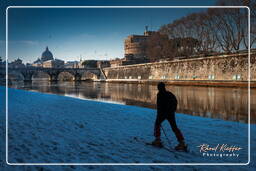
(46, 128)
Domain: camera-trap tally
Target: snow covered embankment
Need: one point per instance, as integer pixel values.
(47, 128)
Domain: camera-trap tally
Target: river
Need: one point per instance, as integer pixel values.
(213, 102)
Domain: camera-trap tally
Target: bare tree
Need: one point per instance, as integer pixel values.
(214, 30)
(156, 45)
(190, 28)
(199, 28)
(240, 20)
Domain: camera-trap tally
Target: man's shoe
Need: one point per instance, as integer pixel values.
(157, 143)
(181, 147)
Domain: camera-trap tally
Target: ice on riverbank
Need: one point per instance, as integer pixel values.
(47, 128)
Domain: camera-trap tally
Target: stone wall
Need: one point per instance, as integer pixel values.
(232, 67)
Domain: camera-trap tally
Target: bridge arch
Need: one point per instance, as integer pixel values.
(66, 76)
(53, 74)
(85, 76)
(40, 76)
(15, 76)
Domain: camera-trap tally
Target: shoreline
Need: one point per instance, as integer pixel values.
(202, 83)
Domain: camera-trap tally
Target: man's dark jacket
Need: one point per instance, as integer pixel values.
(166, 102)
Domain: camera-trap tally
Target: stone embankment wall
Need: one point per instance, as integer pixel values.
(232, 67)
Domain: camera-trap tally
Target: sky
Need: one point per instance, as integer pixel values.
(82, 33)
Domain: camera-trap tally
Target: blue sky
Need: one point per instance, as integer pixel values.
(87, 33)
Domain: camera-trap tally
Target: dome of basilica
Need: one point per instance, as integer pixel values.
(46, 55)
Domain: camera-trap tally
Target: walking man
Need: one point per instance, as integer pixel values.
(166, 107)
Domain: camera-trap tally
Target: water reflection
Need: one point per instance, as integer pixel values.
(222, 103)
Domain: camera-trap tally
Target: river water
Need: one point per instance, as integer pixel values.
(214, 102)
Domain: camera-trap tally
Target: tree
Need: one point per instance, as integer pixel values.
(198, 24)
(90, 63)
(213, 30)
(156, 47)
(192, 27)
(159, 47)
(239, 16)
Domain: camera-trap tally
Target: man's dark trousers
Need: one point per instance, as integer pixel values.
(171, 119)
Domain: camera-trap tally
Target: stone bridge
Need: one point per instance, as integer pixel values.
(77, 74)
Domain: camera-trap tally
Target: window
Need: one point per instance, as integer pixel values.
(194, 76)
(236, 77)
(211, 77)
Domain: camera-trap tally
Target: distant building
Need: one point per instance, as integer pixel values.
(28, 65)
(134, 50)
(55, 63)
(37, 63)
(117, 62)
(71, 64)
(2, 64)
(46, 55)
(103, 64)
(16, 64)
(81, 64)
(47, 61)
(135, 45)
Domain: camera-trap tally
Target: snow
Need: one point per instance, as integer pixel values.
(46, 128)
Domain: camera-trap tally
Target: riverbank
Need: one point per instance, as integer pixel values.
(46, 128)
(203, 83)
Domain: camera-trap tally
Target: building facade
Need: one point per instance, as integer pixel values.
(71, 64)
(134, 50)
(47, 60)
(55, 63)
(103, 64)
(16, 64)
(135, 45)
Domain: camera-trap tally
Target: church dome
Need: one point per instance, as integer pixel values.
(46, 55)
